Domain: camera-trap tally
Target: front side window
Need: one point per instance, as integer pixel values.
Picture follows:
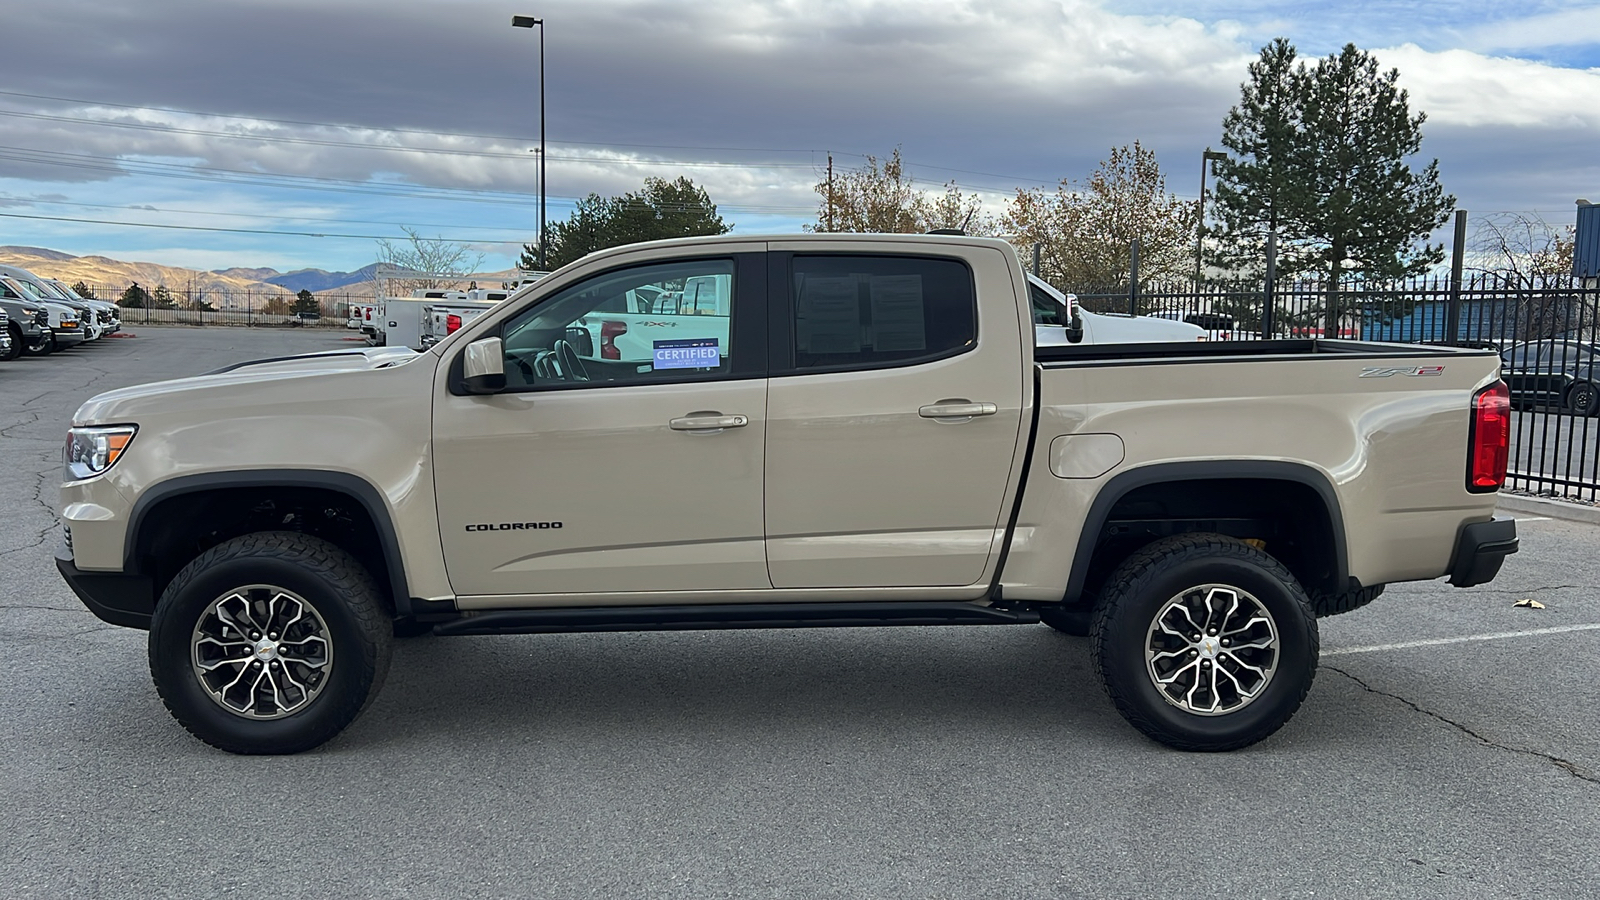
(1047, 310)
(867, 311)
(664, 322)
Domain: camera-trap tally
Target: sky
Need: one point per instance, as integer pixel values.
(337, 122)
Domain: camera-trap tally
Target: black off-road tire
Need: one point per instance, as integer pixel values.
(45, 347)
(1326, 605)
(1161, 572)
(341, 592)
(17, 343)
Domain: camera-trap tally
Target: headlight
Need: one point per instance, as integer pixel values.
(91, 451)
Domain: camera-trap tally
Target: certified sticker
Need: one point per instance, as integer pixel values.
(687, 353)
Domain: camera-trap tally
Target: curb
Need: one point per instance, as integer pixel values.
(1555, 509)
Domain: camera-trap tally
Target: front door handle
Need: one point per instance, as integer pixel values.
(961, 410)
(707, 422)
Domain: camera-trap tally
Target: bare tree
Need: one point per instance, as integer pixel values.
(1530, 262)
(1520, 247)
(420, 263)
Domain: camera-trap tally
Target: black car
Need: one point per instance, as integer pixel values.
(1561, 374)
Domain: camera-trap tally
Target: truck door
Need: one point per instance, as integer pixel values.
(894, 417)
(599, 475)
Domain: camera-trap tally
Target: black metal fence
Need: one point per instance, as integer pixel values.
(231, 307)
(1547, 330)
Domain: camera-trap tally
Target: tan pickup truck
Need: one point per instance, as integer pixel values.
(869, 437)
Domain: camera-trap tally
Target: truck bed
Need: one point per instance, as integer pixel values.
(1218, 351)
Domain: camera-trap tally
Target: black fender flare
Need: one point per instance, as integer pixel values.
(354, 486)
(1208, 470)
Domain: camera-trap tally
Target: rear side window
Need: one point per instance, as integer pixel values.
(868, 311)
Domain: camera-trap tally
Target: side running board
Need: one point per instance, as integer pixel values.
(716, 616)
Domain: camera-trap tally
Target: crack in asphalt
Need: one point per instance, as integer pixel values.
(1565, 765)
(6, 431)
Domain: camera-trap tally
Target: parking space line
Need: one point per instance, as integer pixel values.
(1533, 518)
(1465, 639)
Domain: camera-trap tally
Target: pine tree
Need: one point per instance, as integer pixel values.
(663, 209)
(1257, 185)
(135, 297)
(83, 290)
(1322, 158)
(306, 302)
(162, 298)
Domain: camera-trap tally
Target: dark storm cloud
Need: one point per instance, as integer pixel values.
(1025, 90)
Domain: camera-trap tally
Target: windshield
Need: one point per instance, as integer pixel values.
(65, 291)
(40, 289)
(21, 289)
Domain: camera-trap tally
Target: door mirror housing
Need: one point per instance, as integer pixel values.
(483, 368)
(1074, 321)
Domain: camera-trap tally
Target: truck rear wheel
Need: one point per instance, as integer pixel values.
(1204, 642)
(269, 643)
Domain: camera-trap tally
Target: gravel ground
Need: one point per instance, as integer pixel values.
(933, 762)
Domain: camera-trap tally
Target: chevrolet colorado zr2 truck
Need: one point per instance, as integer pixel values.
(873, 438)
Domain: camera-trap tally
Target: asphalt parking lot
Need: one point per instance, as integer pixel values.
(1450, 746)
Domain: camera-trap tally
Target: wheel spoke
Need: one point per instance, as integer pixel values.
(277, 674)
(1191, 670)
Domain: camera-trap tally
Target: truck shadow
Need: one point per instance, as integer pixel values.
(584, 687)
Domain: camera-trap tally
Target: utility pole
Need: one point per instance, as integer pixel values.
(530, 22)
(1200, 212)
(830, 191)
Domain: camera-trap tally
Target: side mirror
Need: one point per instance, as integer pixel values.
(483, 370)
(1074, 322)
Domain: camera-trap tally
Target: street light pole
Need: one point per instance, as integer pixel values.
(1200, 220)
(529, 22)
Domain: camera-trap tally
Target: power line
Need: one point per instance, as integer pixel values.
(305, 182)
(203, 212)
(315, 234)
(313, 142)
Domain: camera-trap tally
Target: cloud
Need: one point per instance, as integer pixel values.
(1563, 28)
(992, 93)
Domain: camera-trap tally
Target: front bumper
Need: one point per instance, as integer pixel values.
(126, 600)
(1480, 550)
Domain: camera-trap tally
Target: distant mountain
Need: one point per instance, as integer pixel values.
(315, 280)
(235, 288)
(37, 253)
(246, 274)
(108, 278)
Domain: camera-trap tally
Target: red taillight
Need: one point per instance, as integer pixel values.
(609, 332)
(1490, 441)
(452, 323)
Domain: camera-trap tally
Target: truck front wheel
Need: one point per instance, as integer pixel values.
(269, 643)
(1204, 642)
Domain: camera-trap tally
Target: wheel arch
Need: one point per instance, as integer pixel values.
(1322, 565)
(160, 501)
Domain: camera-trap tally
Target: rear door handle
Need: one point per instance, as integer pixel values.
(957, 409)
(707, 422)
